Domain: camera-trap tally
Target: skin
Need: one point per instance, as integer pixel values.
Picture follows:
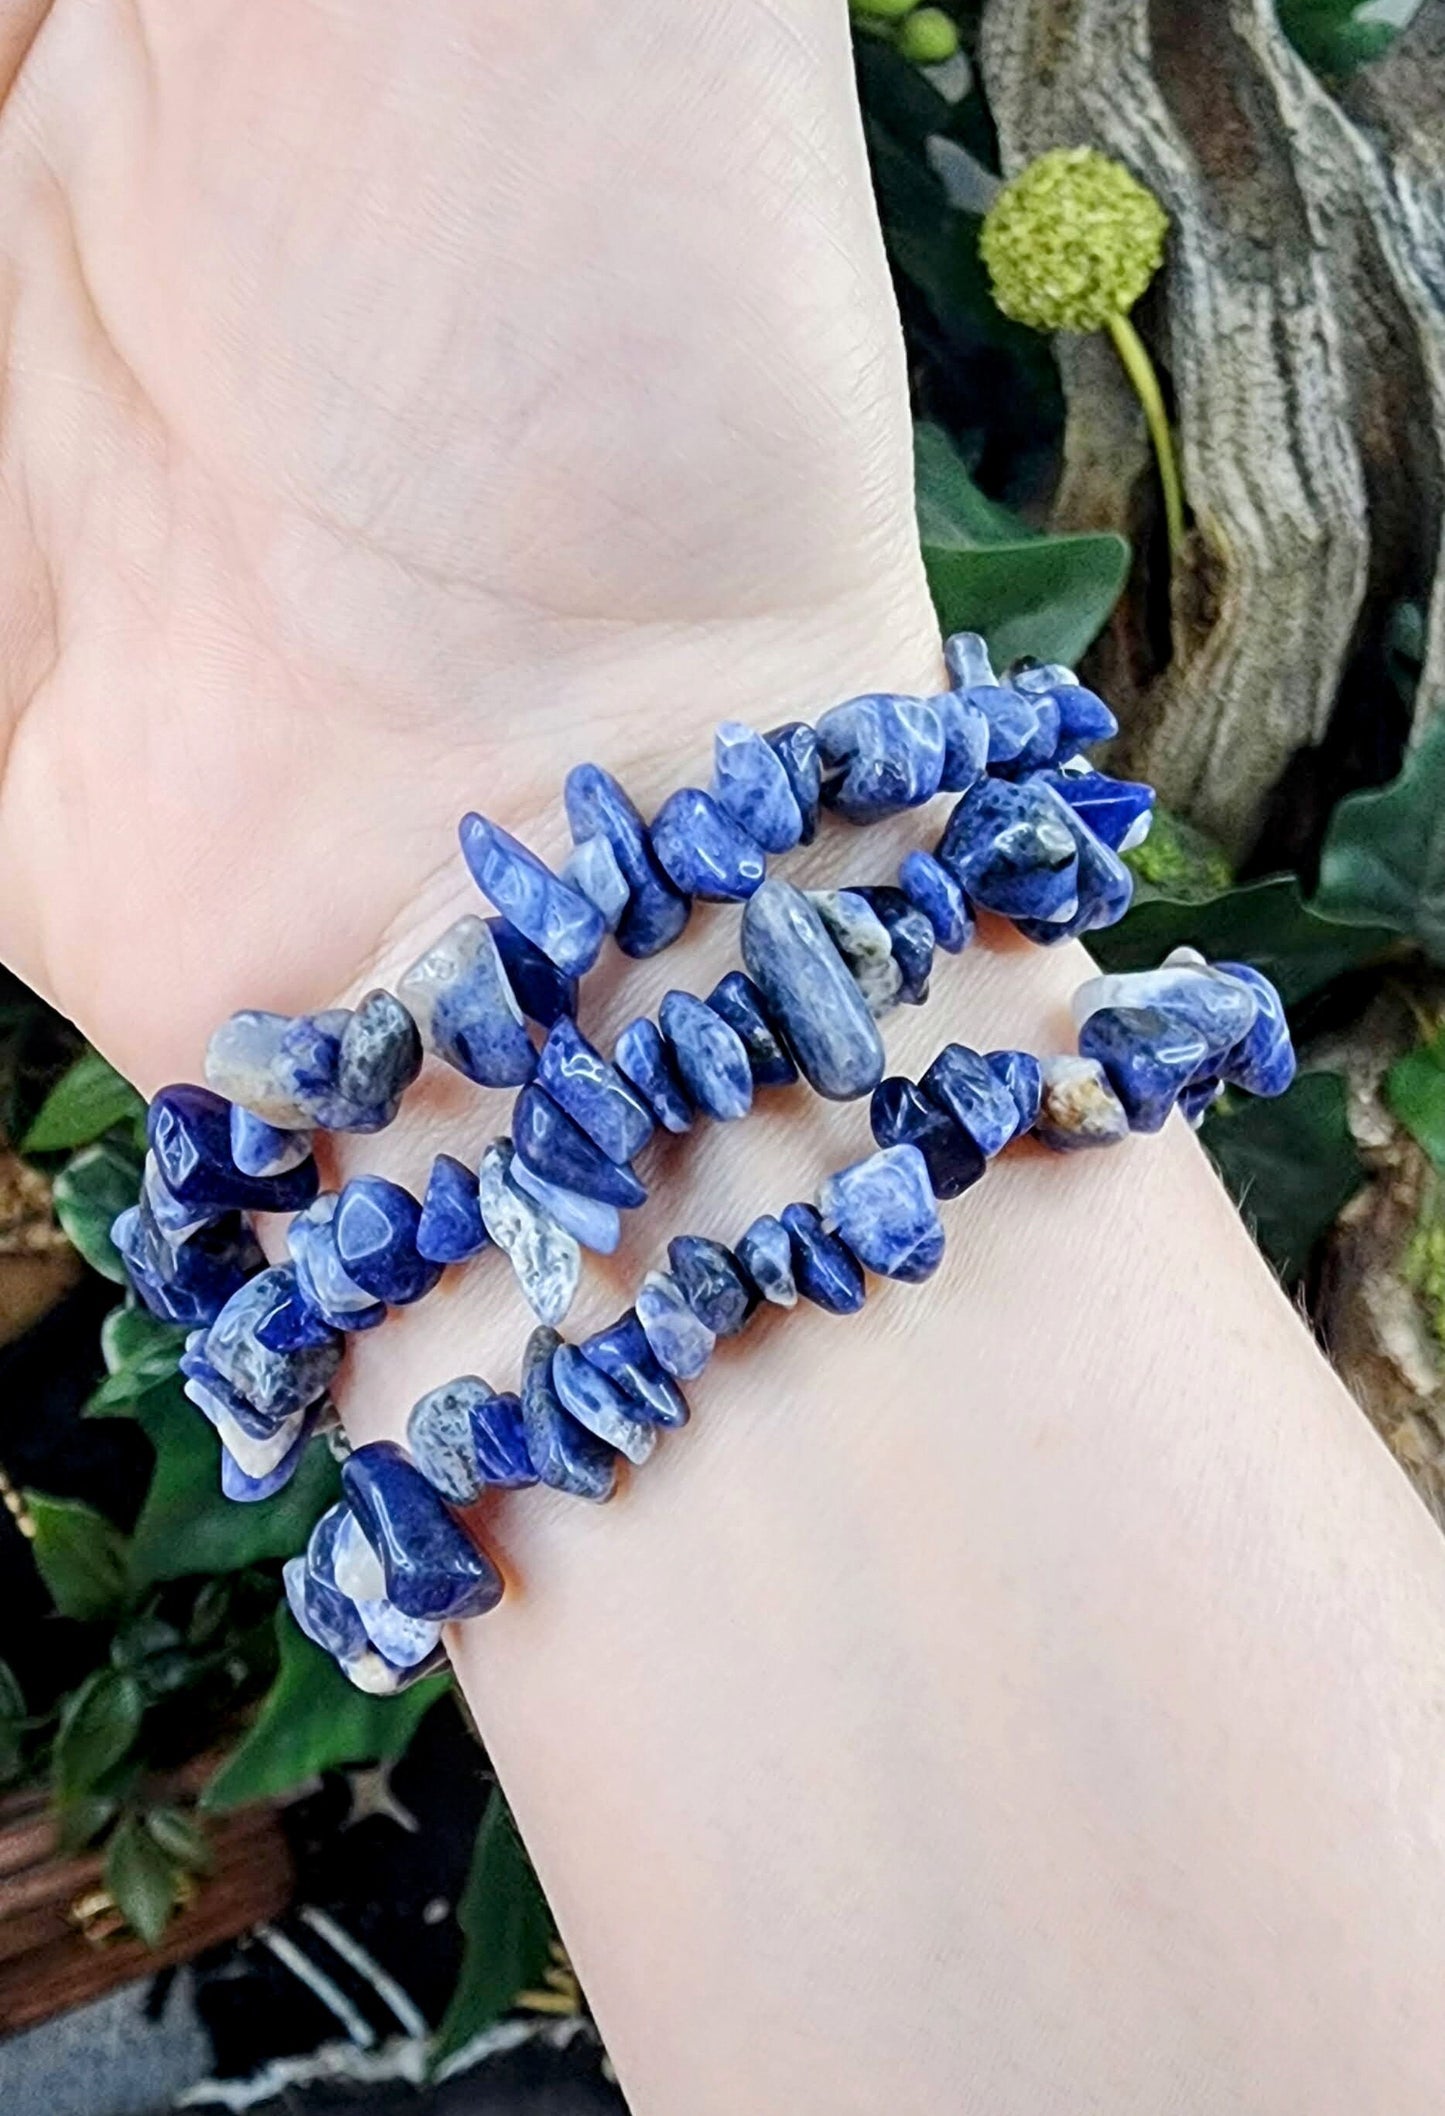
(1024, 1697)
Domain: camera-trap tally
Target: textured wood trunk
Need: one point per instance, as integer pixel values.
(1300, 320)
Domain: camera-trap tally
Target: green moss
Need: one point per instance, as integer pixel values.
(1425, 1270)
(1179, 862)
(1072, 241)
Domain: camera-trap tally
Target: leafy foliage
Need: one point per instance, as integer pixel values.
(1291, 1165)
(84, 1104)
(1332, 35)
(1415, 1090)
(508, 1929)
(1383, 862)
(82, 1558)
(90, 1190)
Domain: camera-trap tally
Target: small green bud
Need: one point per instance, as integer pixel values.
(928, 36)
(1072, 241)
(882, 10)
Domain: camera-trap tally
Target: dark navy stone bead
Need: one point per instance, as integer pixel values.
(465, 1436)
(1041, 749)
(325, 1285)
(177, 1222)
(933, 891)
(966, 736)
(643, 1058)
(465, 1007)
(1084, 719)
(681, 1341)
(559, 1151)
(825, 1270)
(189, 1132)
(795, 745)
(1013, 722)
(262, 1149)
(709, 1055)
(1198, 1098)
(290, 1325)
(380, 1053)
(186, 1282)
(1011, 850)
(241, 1486)
(593, 1093)
(883, 1209)
(712, 1285)
(596, 1226)
(1149, 1057)
(967, 659)
(889, 752)
(1078, 1109)
(1118, 811)
(551, 914)
(596, 1403)
(809, 992)
(739, 1002)
(911, 936)
(542, 1252)
(703, 851)
(1104, 884)
(277, 1384)
(450, 1228)
(751, 784)
(592, 867)
(1263, 1061)
(1020, 1073)
(567, 1457)
(375, 1230)
(432, 1568)
(864, 943)
(766, 1255)
(900, 1114)
(624, 1356)
(542, 991)
(1223, 1008)
(655, 913)
(961, 1082)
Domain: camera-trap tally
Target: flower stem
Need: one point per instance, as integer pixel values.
(1140, 370)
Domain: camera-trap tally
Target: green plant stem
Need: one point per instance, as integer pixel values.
(1140, 370)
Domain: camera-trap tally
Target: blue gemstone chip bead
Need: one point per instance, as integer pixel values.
(543, 992)
(1078, 1108)
(737, 999)
(809, 992)
(1105, 886)
(623, 1354)
(245, 1486)
(1021, 1074)
(380, 1054)
(450, 1228)
(795, 745)
(188, 1130)
(681, 1341)
(597, 1226)
(433, 1569)
(375, 1229)
(593, 1093)
(275, 1384)
(1010, 848)
(599, 1405)
(262, 1149)
(544, 1255)
(592, 867)
(710, 1057)
(1262, 1062)
(712, 1285)
(751, 783)
(326, 1287)
(567, 1457)
(865, 944)
(931, 889)
(910, 937)
(765, 1253)
(547, 911)
(187, 1281)
(642, 1057)
(465, 1008)
(656, 912)
(883, 1209)
(702, 851)
(1118, 811)
(1148, 1057)
(466, 1436)
(901, 1114)
(560, 1152)
(966, 737)
(964, 1084)
(880, 754)
(825, 1269)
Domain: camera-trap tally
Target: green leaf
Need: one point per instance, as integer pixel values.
(82, 1817)
(1383, 861)
(81, 1555)
(98, 1725)
(188, 1526)
(12, 1697)
(1266, 923)
(312, 1719)
(1329, 35)
(83, 1105)
(89, 1192)
(12, 1725)
(141, 1353)
(1415, 1091)
(951, 509)
(180, 1837)
(507, 1928)
(141, 1879)
(1290, 1164)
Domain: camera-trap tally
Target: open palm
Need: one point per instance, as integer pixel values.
(399, 403)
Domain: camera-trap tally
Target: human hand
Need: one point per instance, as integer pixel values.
(398, 405)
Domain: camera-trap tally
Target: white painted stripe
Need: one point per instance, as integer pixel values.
(352, 1952)
(332, 1998)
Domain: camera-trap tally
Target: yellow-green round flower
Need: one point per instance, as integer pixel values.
(1072, 241)
(928, 36)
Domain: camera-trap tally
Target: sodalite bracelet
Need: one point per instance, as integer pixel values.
(391, 1563)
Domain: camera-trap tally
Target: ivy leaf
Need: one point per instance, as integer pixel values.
(1330, 36)
(89, 1191)
(180, 1837)
(1042, 595)
(98, 1725)
(311, 1720)
(1415, 1091)
(188, 1526)
(82, 1106)
(1383, 861)
(81, 1556)
(1290, 1164)
(1267, 924)
(141, 1879)
(141, 1352)
(507, 1929)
